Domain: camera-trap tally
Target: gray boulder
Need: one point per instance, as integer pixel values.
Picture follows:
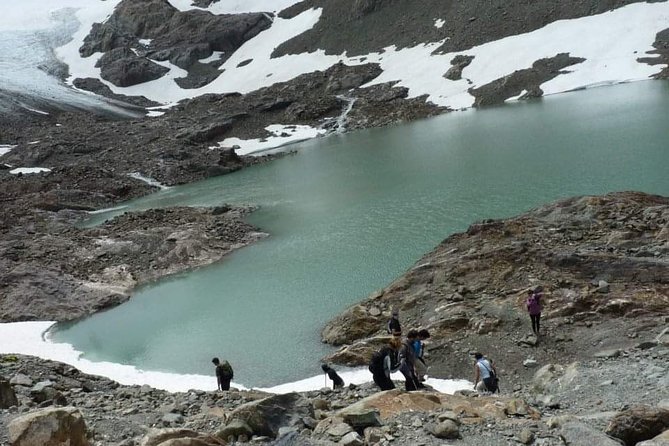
(265, 417)
(178, 437)
(579, 434)
(447, 429)
(49, 427)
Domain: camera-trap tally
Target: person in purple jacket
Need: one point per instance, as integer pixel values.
(533, 304)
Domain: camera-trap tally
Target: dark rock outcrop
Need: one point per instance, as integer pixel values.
(123, 68)
(638, 424)
(183, 38)
(267, 416)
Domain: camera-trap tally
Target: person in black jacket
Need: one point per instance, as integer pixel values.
(337, 381)
(384, 362)
(394, 328)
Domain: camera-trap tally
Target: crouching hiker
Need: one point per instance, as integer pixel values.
(384, 362)
(485, 379)
(337, 381)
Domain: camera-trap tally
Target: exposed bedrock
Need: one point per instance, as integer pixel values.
(660, 55)
(156, 30)
(62, 272)
(524, 83)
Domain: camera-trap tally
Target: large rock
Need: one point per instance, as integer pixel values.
(124, 68)
(447, 429)
(579, 434)
(267, 416)
(638, 424)
(49, 427)
(355, 323)
(7, 395)
(178, 437)
(393, 402)
(553, 377)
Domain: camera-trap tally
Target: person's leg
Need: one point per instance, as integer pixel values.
(534, 323)
(538, 319)
(225, 384)
(480, 387)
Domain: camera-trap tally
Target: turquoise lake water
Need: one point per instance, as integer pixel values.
(349, 213)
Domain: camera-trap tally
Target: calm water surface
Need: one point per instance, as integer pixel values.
(348, 214)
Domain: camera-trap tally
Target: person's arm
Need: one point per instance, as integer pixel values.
(477, 375)
(218, 378)
(387, 366)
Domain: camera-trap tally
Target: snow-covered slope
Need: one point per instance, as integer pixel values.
(610, 43)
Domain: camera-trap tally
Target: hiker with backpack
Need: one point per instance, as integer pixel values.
(337, 381)
(384, 362)
(224, 373)
(485, 379)
(407, 359)
(533, 305)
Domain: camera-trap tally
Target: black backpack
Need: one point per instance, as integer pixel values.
(376, 363)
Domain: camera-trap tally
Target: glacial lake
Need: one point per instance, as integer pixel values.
(350, 213)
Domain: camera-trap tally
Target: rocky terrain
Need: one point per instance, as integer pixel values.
(598, 371)
(598, 374)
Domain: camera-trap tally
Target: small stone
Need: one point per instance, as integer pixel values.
(446, 429)
(603, 287)
(21, 380)
(351, 439)
(610, 353)
(530, 363)
(526, 436)
(374, 311)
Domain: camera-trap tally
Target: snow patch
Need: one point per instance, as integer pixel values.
(147, 180)
(5, 149)
(145, 42)
(283, 135)
(238, 6)
(215, 55)
(438, 23)
(28, 170)
(32, 338)
(34, 110)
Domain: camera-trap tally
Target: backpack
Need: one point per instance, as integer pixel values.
(376, 363)
(533, 306)
(226, 370)
(492, 382)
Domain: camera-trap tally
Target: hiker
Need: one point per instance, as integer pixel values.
(224, 373)
(485, 379)
(407, 358)
(419, 350)
(533, 304)
(337, 381)
(394, 328)
(384, 362)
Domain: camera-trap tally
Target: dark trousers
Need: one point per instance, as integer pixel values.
(535, 322)
(383, 381)
(225, 384)
(411, 382)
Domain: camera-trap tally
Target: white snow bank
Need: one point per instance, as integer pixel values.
(283, 134)
(28, 170)
(238, 6)
(610, 42)
(5, 148)
(147, 180)
(438, 23)
(31, 338)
